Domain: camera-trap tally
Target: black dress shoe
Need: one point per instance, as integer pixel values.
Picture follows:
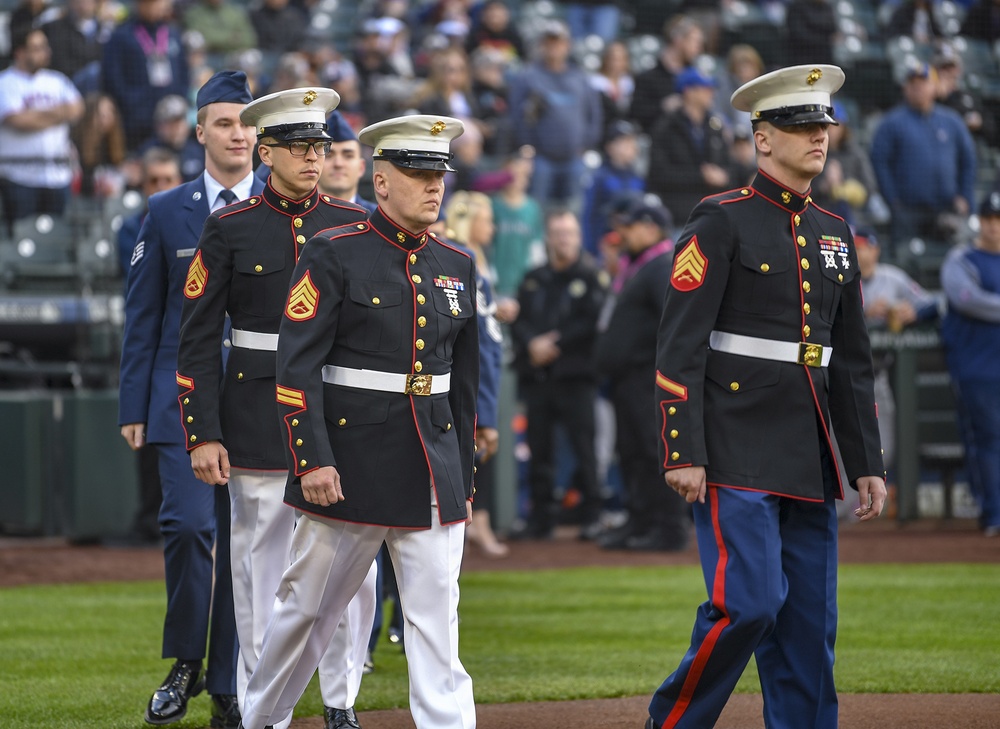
(658, 541)
(225, 712)
(169, 702)
(340, 718)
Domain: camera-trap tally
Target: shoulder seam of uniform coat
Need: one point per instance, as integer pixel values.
(734, 195)
(451, 247)
(824, 210)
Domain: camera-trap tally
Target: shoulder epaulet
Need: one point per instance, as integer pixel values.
(240, 206)
(738, 193)
(340, 231)
(448, 244)
(336, 202)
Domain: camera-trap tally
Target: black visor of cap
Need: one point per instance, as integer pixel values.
(290, 132)
(416, 159)
(790, 116)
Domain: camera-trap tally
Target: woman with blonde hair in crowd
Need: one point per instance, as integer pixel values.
(469, 219)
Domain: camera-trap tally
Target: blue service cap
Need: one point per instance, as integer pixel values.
(227, 86)
(338, 128)
(691, 77)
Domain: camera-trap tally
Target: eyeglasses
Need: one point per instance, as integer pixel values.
(301, 149)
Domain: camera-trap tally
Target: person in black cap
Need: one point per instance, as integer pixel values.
(344, 165)
(243, 267)
(192, 518)
(625, 354)
(970, 278)
(762, 348)
(378, 373)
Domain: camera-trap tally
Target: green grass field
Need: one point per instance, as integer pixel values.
(76, 656)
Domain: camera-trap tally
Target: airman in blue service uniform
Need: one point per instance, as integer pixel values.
(378, 371)
(243, 266)
(763, 350)
(193, 518)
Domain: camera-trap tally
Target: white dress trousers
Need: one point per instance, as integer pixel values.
(330, 561)
(262, 530)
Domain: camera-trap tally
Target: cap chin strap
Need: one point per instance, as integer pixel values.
(279, 129)
(787, 114)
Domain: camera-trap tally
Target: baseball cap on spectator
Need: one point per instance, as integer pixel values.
(691, 77)
(866, 237)
(225, 86)
(915, 68)
(621, 128)
(170, 108)
(946, 57)
(554, 28)
(990, 205)
(648, 211)
(385, 26)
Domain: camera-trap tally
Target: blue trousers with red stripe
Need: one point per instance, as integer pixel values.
(770, 566)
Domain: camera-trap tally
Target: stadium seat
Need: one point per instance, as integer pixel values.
(40, 255)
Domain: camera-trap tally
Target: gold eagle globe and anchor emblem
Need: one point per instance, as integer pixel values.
(309, 98)
(437, 127)
(814, 76)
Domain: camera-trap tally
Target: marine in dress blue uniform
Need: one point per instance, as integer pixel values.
(193, 517)
(763, 350)
(243, 266)
(378, 370)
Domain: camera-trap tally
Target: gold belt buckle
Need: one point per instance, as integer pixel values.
(810, 355)
(418, 385)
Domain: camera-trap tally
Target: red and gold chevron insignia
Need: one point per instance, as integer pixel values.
(289, 396)
(690, 266)
(197, 277)
(302, 300)
(185, 381)
(670, 386)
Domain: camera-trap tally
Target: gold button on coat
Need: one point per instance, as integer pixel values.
(417, 366)
(187, 401)
(805, 264)
(806, 308)
(764, 267)
(376, 300)
(840, 277)
(448, 426)
(416, 278)
(806, 330)
(194, 438)
(239, 375)
(258, 268)
(295, 422)
(303, 463)
(190, 419)
(674, 433)
(421, 299)
(419, 344)
(421, 321)
(675, 456)
(342, 421)
(413, 258)
(298, 442)
(797, 220)
(801, 240)
(806, 286)
(297, 222)
(300, 239)
(671, 411)
(734, 386)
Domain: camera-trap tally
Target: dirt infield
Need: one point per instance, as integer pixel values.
(53, 561)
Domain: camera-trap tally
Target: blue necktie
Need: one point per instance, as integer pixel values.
(228, 196)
